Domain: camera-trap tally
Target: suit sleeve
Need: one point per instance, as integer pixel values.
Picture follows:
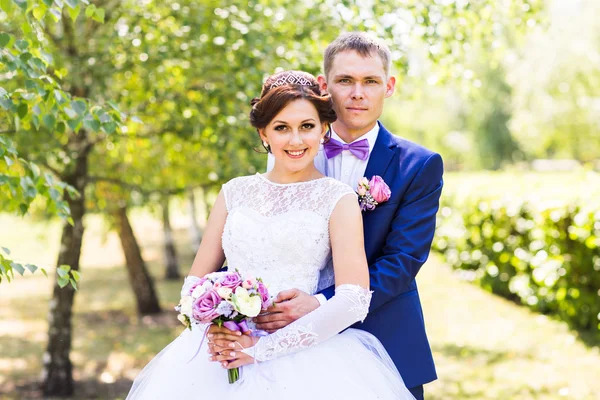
(409, 240)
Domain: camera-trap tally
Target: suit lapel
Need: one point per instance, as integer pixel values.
(382, 154)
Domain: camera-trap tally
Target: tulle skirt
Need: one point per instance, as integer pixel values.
(350, 365)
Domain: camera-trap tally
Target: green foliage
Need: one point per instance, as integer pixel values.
(41, 113)
(545, 258)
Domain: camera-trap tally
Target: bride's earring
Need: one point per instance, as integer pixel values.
(266, 145)
(322, 140)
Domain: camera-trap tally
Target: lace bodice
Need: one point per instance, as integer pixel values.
(280, 232)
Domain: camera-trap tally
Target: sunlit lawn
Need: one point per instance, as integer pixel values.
(485, 347)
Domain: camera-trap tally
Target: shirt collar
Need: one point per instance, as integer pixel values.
(371, 136)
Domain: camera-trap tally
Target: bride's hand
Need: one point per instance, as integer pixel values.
(289, 306)
(226, 349)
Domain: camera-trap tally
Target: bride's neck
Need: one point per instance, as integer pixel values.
(276, 175)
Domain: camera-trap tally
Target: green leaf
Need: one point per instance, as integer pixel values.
(23, 208)
(72, 3)
(99, 15)
(62, 282)
(74, 124)
(73, 283)
(70, 113)
(9, 161)
(22, 44)
(61, 127)
(18, 267)
(63, 270)
(6, 103)
(39, 12)
(74, 11)
(49, 121)
(44, 272)
(5, 250)
(48, 2)
(76, 275)
(32, 268)
(22, 4)
(90, 10)
(4, 39)
(22, 110)
(6, 5)
(79, 106)
(92, 124)
(109, 127)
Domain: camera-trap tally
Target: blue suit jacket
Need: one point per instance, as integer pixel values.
(398, 235)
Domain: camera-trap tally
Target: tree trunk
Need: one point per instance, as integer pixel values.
(172, 271)
(195, 233)
(139, 278)
(57, 371)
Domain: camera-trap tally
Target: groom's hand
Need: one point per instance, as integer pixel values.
(289, 305)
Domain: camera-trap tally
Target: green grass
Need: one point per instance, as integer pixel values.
(485, 347)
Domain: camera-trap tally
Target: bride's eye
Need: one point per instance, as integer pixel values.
(279, 127)
(308, 126)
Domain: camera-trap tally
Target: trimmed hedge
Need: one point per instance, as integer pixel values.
(547, 259)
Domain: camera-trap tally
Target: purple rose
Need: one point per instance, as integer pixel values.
(379, 189)
(204, 308)
(231, 281)
(264, 295)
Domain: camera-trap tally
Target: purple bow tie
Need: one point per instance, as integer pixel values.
(334, 147)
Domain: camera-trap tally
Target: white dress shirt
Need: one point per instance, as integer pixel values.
(345, 167)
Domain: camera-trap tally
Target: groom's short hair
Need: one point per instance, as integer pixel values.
(360, 42)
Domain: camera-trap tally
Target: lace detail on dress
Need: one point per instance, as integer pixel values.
(359, 297)
(280, 232)
(284, 340)
(350, 304)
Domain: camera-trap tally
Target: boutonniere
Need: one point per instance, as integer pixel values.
(372, 193)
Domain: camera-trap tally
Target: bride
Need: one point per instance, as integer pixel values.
(284, 227)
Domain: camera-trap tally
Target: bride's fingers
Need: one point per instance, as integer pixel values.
(213, 337)
(226, 344)
(228, 356)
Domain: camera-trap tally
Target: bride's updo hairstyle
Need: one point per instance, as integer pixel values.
(284, 87)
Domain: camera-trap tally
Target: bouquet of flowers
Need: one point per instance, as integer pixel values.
(226, 299)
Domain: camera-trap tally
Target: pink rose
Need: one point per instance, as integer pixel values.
(231, 281)
(249, 283)
(379, 189)
(204, 308)
(264, 295)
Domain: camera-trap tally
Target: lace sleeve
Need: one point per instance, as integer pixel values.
(349, 305)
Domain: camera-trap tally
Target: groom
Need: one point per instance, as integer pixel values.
(398, 233)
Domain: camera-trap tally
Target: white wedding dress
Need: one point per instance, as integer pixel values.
(280, 233)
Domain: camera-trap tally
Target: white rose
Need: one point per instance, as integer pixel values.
(245, 304)
(186, 305)
(224, 292)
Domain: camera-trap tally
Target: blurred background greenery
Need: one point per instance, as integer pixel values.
(125, 117)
